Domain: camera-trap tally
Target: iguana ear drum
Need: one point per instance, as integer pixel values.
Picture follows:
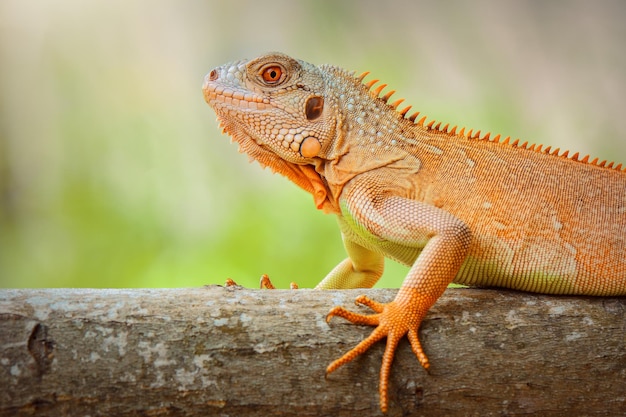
(314, 107)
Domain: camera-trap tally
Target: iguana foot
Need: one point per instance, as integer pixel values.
(392, 320)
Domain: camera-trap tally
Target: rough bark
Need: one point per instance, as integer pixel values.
(238, 352)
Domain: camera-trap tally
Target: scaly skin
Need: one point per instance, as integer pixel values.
(459, 207)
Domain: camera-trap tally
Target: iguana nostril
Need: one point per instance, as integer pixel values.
(213, 75)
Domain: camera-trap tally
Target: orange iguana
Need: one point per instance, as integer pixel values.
(455, 205)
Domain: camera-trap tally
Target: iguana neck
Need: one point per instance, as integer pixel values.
(370, 132)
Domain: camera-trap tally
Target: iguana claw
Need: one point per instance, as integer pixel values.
(266, 283)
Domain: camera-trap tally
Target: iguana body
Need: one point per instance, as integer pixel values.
(454, 205)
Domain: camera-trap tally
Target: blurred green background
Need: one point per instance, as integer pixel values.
(113, 172)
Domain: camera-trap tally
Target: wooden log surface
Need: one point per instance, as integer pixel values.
(217, 351)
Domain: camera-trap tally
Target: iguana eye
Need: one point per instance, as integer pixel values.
(272, 74)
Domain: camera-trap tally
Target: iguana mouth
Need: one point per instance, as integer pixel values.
(228, 102)
(215, 92)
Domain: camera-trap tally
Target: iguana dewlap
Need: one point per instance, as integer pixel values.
(455, 205)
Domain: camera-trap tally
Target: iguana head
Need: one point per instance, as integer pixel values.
(273, 102)
(279, 111)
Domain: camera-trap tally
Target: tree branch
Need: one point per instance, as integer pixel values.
(238, 352)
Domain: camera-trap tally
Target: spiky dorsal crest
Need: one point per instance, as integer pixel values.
(475, 135)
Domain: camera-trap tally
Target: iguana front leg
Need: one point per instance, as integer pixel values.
(405, 228)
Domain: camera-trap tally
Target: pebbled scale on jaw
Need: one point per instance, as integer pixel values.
(477, 135)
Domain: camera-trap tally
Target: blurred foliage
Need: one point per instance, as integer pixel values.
(112, 170)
